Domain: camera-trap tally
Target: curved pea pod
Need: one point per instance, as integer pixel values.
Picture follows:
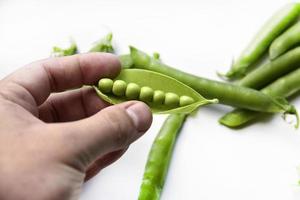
(157, 82)
(272, 70)
(226, 93)
(286, 41)
(159, 158)
(285, 86)
(278, 23)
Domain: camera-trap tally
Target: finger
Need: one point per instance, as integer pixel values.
(103, 162)
(71, 105)
(36, 81)
(111, 129)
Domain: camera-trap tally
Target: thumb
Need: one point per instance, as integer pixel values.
(111, 129)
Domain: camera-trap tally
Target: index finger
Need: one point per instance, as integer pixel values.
(42, 78)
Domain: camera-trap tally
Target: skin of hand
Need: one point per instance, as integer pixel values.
(55, 134)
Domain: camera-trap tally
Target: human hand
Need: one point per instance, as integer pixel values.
(50, 144)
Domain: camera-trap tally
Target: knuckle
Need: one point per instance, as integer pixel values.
(120, 126)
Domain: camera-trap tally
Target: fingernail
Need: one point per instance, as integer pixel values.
(140, 115)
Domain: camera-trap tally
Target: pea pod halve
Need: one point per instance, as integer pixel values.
(162, 93)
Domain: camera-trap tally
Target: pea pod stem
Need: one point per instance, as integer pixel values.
(226, 93)
(159, 158)
(285, 86)
(279, 22)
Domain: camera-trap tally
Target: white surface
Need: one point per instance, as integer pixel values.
(210, 161)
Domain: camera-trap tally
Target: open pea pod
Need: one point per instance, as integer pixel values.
(163, 94)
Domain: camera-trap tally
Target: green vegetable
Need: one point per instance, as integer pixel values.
(156, 55)
(146, 94)
(272, 70)
(283, 87)
(57, 51)
(185, 100)
(159, 158)
(126, 61)
(132, 91)
(151, 83)
(105, 85)
(159, 97)
(227, 93)
(280, 21)
(288, 40)
(103, 45)
(119, 88)
(172, 99)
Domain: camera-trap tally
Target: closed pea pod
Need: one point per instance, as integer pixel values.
(280, 21)
(272, 70)
(159, 158)
(286, 41)
(160, 92)
(283, 87)
(226, 93)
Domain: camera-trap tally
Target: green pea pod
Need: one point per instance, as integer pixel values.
(155, 82)
(159, 158)
(126, 61)
(104, 45)
(226, 93)
(286, 41)
(73, 49)
(272, 70)
(285, 86)
(279, 22)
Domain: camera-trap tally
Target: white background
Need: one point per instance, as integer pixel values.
(210, 161)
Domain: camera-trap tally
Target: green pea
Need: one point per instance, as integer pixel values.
(185, 100)
(105, 85)
(158, 97)
(132, 91)
(171, 99)
(119, 88)
(146, 94)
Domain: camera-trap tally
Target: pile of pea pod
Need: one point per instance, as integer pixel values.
(258, 83)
